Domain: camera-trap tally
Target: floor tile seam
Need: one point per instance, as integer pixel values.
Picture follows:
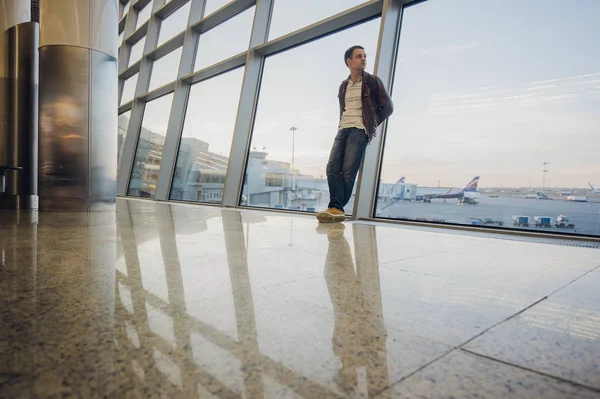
(291, 281)
(514, 315)
(418, 370)
(387, 267)
(569, 283)
(415, 257)
(459, 350)
(436, 253)
(497, 289)
(507, 363)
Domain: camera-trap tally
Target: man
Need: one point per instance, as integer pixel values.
(364, 104)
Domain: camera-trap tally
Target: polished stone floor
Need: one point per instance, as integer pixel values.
(179, 301)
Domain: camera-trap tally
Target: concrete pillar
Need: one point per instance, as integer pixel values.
(14, 12)
(78, 105)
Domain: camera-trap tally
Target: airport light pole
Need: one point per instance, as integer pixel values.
(293, 130)
(544, 171)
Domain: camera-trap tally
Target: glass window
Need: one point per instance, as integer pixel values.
(137, 50)
(174, 24)
(129, 89)
(298, 92)
(213, 49)
(291, 15)
(206, 139)
(144, 15)
(509, 98)
(165, 69)
(214, 5)
(150, 146)
(123, 125)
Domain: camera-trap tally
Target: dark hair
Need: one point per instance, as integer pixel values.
(349, 52)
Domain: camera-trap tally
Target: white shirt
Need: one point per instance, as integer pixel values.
(352, 115)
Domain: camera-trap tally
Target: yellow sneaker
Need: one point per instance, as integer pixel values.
(333, 230)
(331, 215)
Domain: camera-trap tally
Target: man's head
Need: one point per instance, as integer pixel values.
(355, 58)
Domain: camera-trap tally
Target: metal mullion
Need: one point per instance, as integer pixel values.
(139, 33)
(125, 107)
(242, 135)
(333, 24)
(158, 92)
(179, 105)
(132, 70)
(167, 47)
(138, 106)
(139, 4)
(222, 15)
(169, 8)
(366, 190)
(125, 49)
(219, 68)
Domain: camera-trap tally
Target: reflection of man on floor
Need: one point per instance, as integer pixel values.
(359, 336)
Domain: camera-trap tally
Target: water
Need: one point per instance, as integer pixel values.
(585, 215)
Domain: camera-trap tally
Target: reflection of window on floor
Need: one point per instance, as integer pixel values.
(274, 180)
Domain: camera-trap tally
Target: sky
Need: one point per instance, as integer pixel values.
(481, 88)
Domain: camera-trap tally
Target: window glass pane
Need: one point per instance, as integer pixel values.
(144, 15)
(165, 69)
(174, 24)
(136, 51)
(213, 49)
(129, 89)
(150, 147)
(214, 5)
(291, 15)
(206, 139)
(123, 125)
(496, 94)
(298, 92)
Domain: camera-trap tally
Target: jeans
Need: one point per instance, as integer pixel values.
(344, 161)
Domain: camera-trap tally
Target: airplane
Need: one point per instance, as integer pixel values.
(401, 181)
(561, 193)
(594, 189)
(469, 188)
(542, 196)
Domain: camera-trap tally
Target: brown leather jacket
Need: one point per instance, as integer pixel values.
(377, 105)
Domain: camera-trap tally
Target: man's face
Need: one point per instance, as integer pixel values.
(358, 62)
